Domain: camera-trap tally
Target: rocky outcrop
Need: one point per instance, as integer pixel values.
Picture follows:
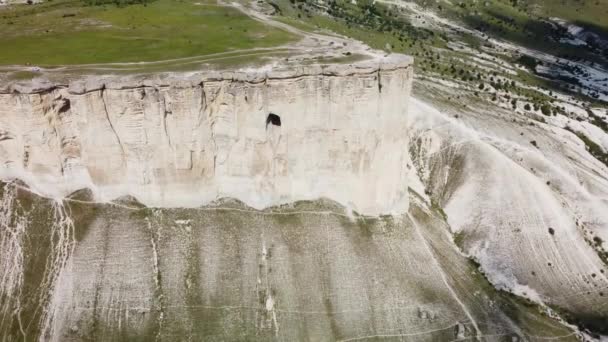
(264, 137)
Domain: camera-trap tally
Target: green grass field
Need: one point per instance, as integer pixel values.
(591, 12)
(66, 32)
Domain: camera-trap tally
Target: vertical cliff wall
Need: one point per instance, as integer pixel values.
(336, 131)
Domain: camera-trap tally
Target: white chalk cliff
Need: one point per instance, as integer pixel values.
(265, 137)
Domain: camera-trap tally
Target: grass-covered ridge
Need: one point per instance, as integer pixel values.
(63, 32)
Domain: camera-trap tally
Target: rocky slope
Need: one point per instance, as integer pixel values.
(75, 270)
(524, 198)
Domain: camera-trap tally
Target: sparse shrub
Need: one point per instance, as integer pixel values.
(528, 62)
(545, 109)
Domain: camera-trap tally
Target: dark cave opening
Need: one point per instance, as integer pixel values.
(273, 119)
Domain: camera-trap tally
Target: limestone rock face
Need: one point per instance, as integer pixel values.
(335, 131)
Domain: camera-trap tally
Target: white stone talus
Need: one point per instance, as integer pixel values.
(185, 140)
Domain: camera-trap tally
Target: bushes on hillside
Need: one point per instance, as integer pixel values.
(545, 109)
(528, 62)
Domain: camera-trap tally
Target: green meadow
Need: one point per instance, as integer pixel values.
(67, 32)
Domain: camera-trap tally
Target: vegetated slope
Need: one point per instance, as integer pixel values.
(549, 53)
(592, 12)
(526, 22)
(307, 271)
(70, 32)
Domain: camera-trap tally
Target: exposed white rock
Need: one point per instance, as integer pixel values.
(525, 213)
(185, 141)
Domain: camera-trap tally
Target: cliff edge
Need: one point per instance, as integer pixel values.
(182, 140)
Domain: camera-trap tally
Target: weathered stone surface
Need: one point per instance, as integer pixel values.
(186, 140)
